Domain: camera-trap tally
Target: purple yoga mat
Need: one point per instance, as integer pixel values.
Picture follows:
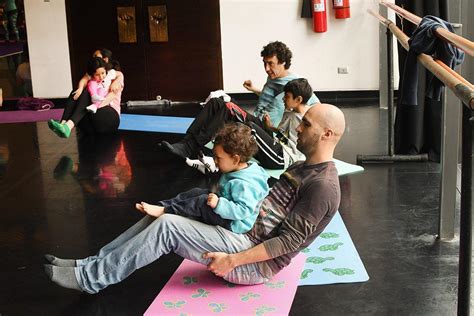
(29, 116)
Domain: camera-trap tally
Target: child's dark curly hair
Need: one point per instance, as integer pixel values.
(237, 139)
(280, 50)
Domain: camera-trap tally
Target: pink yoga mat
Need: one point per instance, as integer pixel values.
(192, 290)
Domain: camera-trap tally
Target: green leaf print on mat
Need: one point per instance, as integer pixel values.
(217, 308)
(178, 304)
(306, 273)
(277, 285)
(262, 310)
(329, 235)
(318, 260)
(339, 271)
(330, 247)
(200, 293)
(246, 297)
(189, 280)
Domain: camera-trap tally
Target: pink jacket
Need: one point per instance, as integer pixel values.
(99, 90)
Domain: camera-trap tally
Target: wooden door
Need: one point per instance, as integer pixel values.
(186, 67)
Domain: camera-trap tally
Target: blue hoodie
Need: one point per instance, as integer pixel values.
(240, 193)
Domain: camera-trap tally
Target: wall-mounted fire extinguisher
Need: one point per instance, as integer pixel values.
(320, 24)
(342, 9)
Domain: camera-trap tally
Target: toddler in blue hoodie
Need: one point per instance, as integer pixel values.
(241, 187)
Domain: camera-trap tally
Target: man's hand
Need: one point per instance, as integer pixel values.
(248, 85)
(221, 263)
(212, 200)
(77, 93)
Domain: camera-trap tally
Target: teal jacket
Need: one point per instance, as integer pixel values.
(240, 193)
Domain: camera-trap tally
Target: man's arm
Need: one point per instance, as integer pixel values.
(294, 231)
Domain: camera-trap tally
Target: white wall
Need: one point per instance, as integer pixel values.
(48, 47)
(248, 25)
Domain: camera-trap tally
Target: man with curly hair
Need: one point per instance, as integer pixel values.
(216, 112)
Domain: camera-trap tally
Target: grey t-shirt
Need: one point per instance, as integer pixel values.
(297, 209)
(288, 125)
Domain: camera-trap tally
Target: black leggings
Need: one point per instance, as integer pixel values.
(212, 117)
(105, 120)
(270, 151)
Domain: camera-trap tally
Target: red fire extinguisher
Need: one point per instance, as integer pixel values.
(320, 24)
(342, 9)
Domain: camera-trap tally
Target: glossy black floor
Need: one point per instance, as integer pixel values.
(73, 205)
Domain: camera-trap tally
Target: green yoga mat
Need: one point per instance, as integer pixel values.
(341, 166)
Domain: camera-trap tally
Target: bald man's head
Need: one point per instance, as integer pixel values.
(321, 129)
(329, 117)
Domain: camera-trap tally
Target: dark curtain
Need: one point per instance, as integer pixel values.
(418, 127)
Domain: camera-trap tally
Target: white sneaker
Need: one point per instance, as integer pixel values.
(208, 163)
(92, 108)
(217, 94)
(196, 164)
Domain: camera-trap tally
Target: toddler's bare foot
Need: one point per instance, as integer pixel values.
(150, 209)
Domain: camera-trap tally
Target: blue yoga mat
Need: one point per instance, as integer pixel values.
(333, 258)
(153, 123)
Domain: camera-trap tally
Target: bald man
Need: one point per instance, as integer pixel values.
(295, 212)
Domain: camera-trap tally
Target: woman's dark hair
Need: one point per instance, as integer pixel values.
(107, 53)
(280, 50)
(94, 64)
(299, 88)
(237, 139)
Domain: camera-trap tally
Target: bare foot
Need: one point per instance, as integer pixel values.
(150, 209)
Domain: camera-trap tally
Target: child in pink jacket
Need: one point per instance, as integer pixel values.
(99, 84)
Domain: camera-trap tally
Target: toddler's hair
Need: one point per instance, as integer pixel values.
(237, 139)
(94, 64)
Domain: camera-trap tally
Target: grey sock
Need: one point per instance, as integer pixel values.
(63, 276)
(60, 262)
